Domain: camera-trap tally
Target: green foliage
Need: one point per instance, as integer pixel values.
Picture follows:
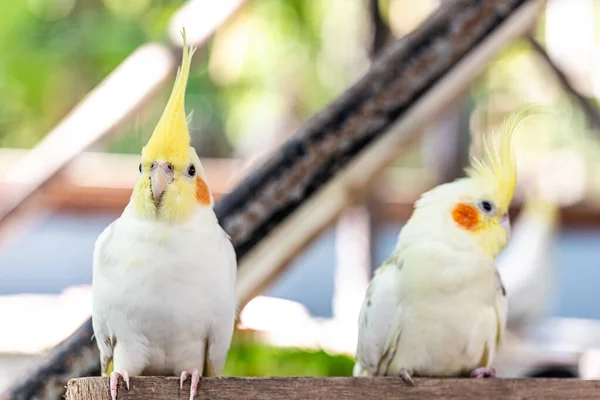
(267, 62)
(250, 358)
(55, 51)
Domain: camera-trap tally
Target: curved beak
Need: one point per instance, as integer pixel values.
(505, 223)
(160, 178)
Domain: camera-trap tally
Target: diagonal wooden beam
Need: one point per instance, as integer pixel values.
(377, 136)
(337, 153)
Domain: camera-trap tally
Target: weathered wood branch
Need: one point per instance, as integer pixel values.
(339, 388)
(333, 142)
(354, 180)
(329, 141)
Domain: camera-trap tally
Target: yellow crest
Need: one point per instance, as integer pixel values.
(497, 166)
(170, 140)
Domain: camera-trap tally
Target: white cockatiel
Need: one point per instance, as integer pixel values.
(437, 306)
(526, 266)
(164, 271)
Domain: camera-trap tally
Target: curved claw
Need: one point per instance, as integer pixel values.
(183, 378)
(195, 381)
(484, 373)
(114, 382)
(405, 375)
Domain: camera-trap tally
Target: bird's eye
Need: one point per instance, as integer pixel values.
(191, 170)
(140, 167)
(487, 206)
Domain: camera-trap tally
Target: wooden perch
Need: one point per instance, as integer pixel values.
(339, 388)
(327, 165)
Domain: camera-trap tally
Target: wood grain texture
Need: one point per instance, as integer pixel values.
(146, 388)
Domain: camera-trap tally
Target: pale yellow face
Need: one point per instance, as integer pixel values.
(485, 221)
(170, 190)
(470, 206)
(171, 184)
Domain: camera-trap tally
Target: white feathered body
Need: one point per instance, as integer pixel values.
(435, 308)
(528, 270)
(162, 292)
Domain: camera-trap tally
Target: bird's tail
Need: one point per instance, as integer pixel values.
(208, 369)
(359, 370)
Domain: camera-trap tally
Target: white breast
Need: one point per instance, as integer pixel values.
(164, 286)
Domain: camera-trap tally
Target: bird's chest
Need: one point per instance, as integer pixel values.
(158, 284)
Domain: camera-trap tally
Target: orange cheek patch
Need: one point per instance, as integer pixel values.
(466, 216)
(202, 192)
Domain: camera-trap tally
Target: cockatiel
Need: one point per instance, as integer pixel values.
(526, 266)
(164, 272)
(437, 306)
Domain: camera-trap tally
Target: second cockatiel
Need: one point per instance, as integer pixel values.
(437, 306)
(527, 267)
(164, 271)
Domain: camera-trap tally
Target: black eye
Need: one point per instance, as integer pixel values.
(486, 206)
(191, 170)
(140, 168)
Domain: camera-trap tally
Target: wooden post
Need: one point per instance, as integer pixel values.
(339, 388)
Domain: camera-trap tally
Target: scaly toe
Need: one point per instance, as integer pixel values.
(114, 382)
(195, 382)
(183, 378)
(405, 375)
(484, 373)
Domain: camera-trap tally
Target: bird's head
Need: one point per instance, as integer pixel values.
(171, 184)
(477, 205)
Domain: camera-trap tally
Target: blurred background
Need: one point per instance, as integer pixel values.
(265, 68)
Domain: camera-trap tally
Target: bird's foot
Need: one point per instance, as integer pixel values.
(406, 377)
(484, 373)
(195, 381)
(114, 382)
